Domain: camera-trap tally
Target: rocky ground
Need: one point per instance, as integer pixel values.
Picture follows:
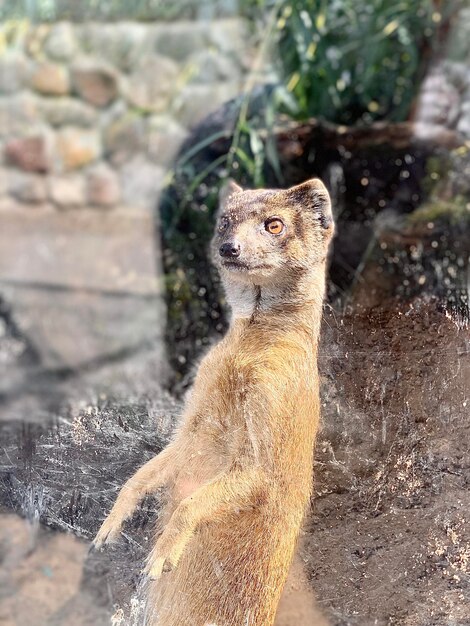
(387, 541)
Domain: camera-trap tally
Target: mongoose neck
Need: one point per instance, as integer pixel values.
(284, 304)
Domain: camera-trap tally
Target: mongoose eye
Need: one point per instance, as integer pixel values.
(223, 224)
(274, 225)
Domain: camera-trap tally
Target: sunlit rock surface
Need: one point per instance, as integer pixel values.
(81, 307)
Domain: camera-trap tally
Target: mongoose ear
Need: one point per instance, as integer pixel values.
(313, 196)
(227, 190)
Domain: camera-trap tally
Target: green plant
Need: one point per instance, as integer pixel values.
(352, 61)
(454, 212)
(347, 61)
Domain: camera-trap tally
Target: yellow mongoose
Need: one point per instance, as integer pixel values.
(239, 469)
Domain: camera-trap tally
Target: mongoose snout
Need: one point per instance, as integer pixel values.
(231, 249)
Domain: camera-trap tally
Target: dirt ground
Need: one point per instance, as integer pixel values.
(388, 539)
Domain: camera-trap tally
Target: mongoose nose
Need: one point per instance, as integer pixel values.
(229, 250)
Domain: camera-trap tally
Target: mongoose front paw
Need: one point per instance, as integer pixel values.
(166, 554)
(108, 533)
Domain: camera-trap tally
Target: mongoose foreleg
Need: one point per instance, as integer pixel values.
(150, 477)
(236, 490)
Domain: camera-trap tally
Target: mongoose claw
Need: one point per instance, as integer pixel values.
(155, 568)
(108, 533)
(166, 555)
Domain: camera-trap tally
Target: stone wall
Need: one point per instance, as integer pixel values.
(445, 93)
(93, 114)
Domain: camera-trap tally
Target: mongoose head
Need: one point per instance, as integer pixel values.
(271, 235)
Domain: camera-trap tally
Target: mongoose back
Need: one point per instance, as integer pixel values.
(238, 471)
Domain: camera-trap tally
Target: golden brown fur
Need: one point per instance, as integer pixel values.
(239, 469)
